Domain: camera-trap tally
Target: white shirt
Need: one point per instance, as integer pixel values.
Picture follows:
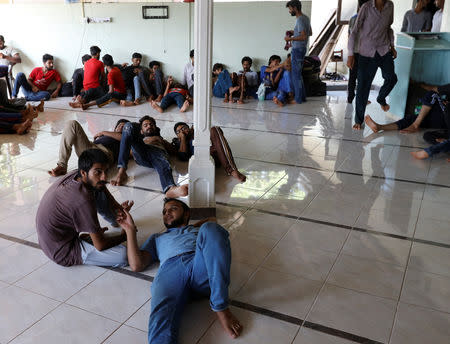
(251, 76)
(8, 51)
(437, 20)
(188, 75)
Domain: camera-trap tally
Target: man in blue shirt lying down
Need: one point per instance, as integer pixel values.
(194, 259)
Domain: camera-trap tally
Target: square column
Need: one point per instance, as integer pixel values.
(201, 165)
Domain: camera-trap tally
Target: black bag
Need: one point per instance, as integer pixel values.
(66, 90)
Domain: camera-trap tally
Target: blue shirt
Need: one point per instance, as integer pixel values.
(171, 243)
(302, 24)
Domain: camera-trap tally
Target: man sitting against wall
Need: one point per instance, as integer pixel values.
(35, 88)
(226, 85)
(175, 93)
(276, 78)
(251, 76)
(78, 77)
(132, 75)
(94, 74)
(8, 56)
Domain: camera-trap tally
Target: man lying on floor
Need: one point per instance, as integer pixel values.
(219, 150)
(74, 136)
(194, 259)
(70, 207)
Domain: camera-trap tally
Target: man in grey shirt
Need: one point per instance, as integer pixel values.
(376, 49)
(251, 76)
(417, 19)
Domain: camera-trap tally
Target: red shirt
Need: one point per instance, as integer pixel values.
(93, 68)
(179, 90)
(116, 80)
(42, 81)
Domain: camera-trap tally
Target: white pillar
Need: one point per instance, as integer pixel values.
(201, 165)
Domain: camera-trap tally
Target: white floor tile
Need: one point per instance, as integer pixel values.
(126, 334)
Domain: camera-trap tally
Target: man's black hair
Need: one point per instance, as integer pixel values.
(154, 63)
(146, 117)
(274, 57)
(47, 57)
(184, 205)
(177, 125)
(94, 50)
(217, 66)
(85, 58)
(90, 157)
(2, 38)
(295, 4)
(362, 2)
(108, 60)
(122, 120)
(191, 53)
(248, 59)
(136, 56)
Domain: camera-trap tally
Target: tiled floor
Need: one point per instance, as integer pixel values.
(338, 236)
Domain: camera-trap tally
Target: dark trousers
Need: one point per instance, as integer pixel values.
(110, 97)
(77, 83)
(367, 68)
(352, 79)
(172, 98)
(8, 120)
(92, 94)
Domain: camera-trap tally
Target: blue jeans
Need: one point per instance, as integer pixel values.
(367, 68)
(222, 84)
(205, 272)
(438, 148)
(285, 83)
(145, 155)
(172, 98)
(21, 81)
(297, 57)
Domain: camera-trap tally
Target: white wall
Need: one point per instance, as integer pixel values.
(256, 29)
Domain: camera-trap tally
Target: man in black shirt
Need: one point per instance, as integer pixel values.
(77, 77)
(74, 135)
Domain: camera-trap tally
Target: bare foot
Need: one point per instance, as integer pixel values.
(357, 126)
(225, 100)
(120, 178)
(440, 140)
(127, 103)
(231, 101)
(385, 107)
(159, 98)
(156, 106)
(240, 101)
(177, 191)
(239, 176)
(371, 123)
(292, 101)
(138, 101)
(277, 101)
(420, 154)
(84, 107)
(57, 171)
(230, 324)
(22, 128)
(411, 129)
(40, 107)
(185, 106)
(369, 102)
(75, 105)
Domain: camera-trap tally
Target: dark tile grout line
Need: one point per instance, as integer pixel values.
(242, 305)
(262, 131)
(263, 110)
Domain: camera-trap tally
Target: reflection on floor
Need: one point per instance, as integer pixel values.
(338, 236)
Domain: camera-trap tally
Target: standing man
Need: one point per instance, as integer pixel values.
(376, 49)
(36, 86)
(8, 56)
(299, 40)
(188, 75)
(417, 19)
(437, 18)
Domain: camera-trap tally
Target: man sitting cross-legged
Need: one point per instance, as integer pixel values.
(74, 136)
(175, 94)
(442, 147)
(228, 84)
(219, 150)
(117, 90)
(194, 259)
(70, 207)
(434, 113)
(149, 150)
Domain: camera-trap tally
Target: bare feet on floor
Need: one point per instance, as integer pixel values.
(159, 98)
(23, 128)
(57, 171)
(411, 129)
(385, 107)
(177, 191)
(120, 178)
(156, 106)
(230, 324)
(240, 101)
(127, 103)
(239, 176)
(277, 101)
(357, 126)
(420, 154)
(75, 105)
(371, 124)
(40, 107)
(185, 106)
